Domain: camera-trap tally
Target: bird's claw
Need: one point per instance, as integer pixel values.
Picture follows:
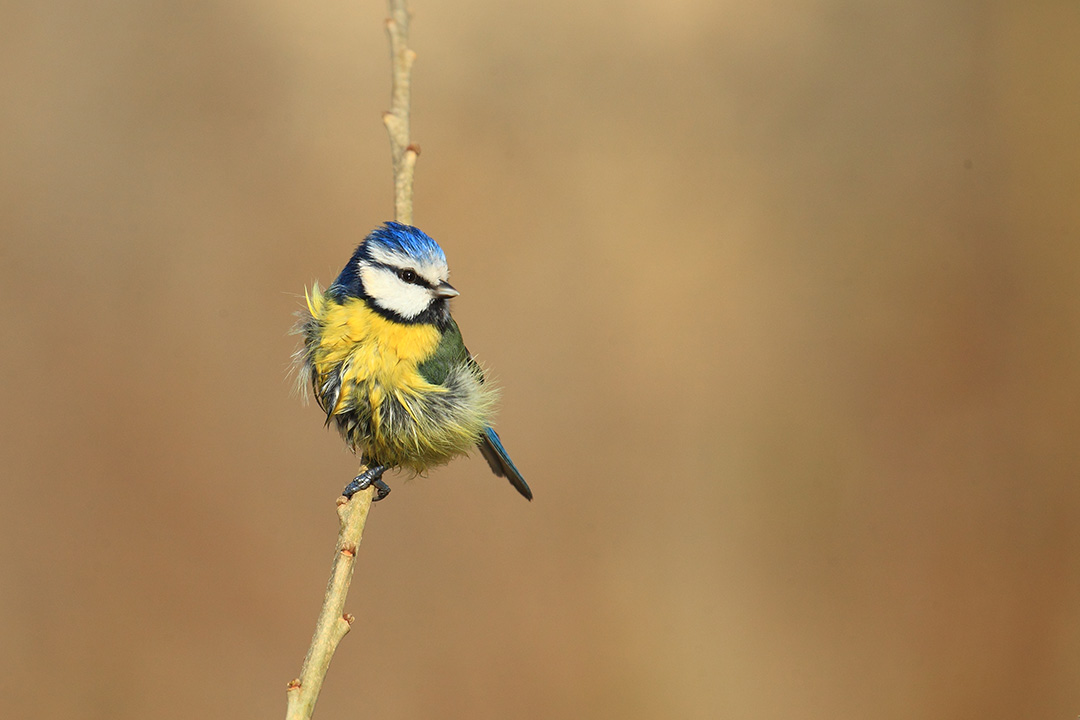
(371, 476)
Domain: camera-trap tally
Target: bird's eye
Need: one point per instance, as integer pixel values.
(408, 276)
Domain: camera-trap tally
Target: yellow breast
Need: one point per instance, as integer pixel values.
(381, 354)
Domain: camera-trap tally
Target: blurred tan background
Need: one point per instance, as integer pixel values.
(783, 298)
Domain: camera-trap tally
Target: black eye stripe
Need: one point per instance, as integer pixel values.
(411, 276)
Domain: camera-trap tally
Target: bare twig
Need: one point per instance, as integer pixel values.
(402, 151)
(333, 623)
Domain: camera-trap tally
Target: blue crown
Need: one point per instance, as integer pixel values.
(407, 241)
(395, 238)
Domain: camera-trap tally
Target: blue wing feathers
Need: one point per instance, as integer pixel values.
(501, 464)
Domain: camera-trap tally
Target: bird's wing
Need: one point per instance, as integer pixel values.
(451, 352)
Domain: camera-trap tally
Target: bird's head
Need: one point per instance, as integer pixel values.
(401, 273)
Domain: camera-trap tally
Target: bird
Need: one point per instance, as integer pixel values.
(386, 362)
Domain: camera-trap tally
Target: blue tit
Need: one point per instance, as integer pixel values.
(388, 366)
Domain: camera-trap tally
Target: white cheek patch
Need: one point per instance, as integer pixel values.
(433, 270)
(390, 292)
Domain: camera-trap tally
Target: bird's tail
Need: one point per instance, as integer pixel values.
(501, 464)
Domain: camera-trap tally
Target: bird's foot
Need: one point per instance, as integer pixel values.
(371, 476)
(382, 489)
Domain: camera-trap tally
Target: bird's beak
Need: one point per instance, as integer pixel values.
(446, 290)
